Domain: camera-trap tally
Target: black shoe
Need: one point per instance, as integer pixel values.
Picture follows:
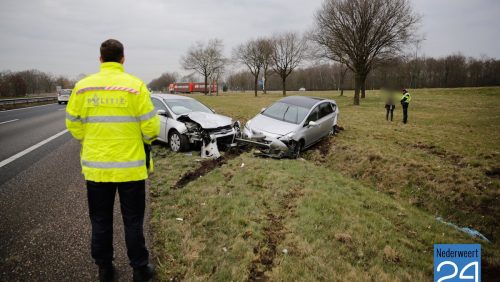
(106, 273)
(144, 273)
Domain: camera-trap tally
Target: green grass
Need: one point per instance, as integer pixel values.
(365, 211)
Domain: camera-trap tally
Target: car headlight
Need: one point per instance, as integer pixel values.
(286, 137)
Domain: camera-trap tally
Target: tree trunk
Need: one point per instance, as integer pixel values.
(284, 85)
(265, 81)
(255, 84)
(341, 82)
(206, 84)
(357, 83)
(341, 85)
(363, 86)
(217, 91)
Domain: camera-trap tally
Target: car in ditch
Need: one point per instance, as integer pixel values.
(186, 121)
(291, 125)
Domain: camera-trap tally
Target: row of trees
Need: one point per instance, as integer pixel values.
(22, 83)
(360, 43)
(359, 34)
(447, 72)
(282, 53)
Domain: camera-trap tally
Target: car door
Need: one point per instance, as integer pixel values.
(163, 119)
(325, 118)
(312, 133)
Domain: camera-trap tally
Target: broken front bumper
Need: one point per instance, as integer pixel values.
(268, 145)
(212, 139)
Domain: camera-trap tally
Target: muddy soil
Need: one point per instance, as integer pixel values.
(493, 173)
(274, 234)
(207, 166)
(454, 159)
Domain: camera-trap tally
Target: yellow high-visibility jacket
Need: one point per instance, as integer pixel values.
(406, 98)
(112, 115)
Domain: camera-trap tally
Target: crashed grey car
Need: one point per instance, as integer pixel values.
(186, 121)
(291, 125)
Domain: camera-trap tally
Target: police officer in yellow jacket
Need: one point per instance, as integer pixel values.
(405, 102)
(112, 115)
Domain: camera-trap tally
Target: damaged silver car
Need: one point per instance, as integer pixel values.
(291, 125)
(185, 122)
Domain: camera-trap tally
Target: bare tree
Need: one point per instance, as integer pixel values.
(267, 49)
(288, 52)
(204, 59)
(251, 55)
(161, 83)
(342, 70)
(215, 78)
(362, 33)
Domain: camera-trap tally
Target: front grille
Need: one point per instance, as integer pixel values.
(221, 130)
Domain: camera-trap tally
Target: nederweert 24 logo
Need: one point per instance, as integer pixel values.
(457, 262)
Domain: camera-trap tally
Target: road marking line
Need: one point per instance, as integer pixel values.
(27, 108)
(32, 148)
(62, 109)
(9, 121)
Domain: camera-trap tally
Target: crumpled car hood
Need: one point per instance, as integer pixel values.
(208, 120)
(264, 124)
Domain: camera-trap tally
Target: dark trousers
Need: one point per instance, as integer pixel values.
(405, 112)
(391, 111)
(101, 197)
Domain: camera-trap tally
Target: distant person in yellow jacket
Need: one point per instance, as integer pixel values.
(405, 102)
(112, 115)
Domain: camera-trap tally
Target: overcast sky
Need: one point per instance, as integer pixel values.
(63, 36)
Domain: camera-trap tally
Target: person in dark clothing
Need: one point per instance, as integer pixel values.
(389, 106)
(405, 102)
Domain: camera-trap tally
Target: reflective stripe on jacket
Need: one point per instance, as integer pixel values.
(406, 98)
(112, 115)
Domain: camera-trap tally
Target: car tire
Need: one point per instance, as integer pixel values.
(298, 149)
(59, 102)
(178, 142)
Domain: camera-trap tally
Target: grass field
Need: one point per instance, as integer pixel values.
(359, 206)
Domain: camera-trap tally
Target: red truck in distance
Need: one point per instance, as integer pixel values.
(191, 87)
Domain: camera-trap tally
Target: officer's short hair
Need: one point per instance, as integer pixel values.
(111, 51)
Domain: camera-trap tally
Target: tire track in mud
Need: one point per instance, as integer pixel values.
(274, 234)
(206, 167)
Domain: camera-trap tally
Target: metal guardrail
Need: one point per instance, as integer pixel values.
(26, 100)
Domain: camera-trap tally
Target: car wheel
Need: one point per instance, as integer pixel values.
(59, 102)
(178, 142)
(297, 150)
(333, 131)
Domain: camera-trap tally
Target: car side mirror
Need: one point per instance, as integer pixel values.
(262, 110)
(161, 113)
(312, 124)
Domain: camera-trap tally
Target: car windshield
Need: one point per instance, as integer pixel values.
(66, 92)
(183, 106)
(286, 112)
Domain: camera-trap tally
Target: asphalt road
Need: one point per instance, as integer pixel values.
(44, 224)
